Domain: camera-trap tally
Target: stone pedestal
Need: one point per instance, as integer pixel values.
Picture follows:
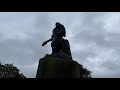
(49, 67)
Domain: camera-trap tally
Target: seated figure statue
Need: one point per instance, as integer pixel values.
(60, 46)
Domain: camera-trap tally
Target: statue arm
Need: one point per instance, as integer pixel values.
(44, 43)
(49, 40)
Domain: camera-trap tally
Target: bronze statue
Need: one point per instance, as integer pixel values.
(59, 44)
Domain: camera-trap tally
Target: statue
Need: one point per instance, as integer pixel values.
(60, 46)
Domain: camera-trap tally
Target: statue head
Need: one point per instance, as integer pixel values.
(57, 24)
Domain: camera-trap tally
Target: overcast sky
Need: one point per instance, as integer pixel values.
(94, 39)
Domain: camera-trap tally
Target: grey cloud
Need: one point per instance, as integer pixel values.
(21, 36)
(26, 52)
(94, 32)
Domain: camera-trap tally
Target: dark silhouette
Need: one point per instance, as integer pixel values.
(10, 71)
(60, 46)
(59, 68)
(60, 64)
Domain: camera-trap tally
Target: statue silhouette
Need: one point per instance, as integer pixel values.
(59, 44)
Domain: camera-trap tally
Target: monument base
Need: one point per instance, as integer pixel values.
(49, 67)
(61, 55)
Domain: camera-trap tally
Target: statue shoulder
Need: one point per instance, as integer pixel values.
(62, 26)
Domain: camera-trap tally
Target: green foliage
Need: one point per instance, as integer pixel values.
(10, 71)
(84, 73)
